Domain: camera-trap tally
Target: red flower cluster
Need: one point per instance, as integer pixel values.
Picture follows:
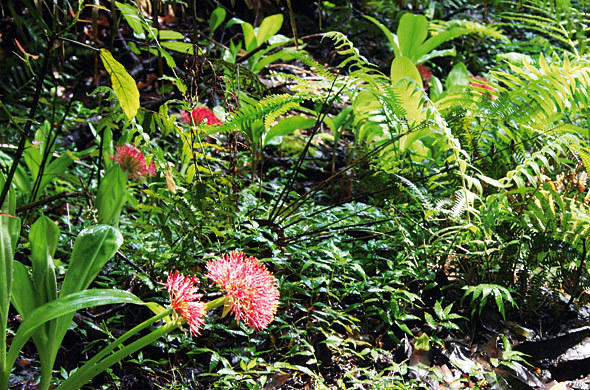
(483, 85)
(251, 289)
(133, 161)
(199, 115)
(185, 300)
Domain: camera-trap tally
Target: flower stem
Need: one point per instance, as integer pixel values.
(215, 303)
(101, 361)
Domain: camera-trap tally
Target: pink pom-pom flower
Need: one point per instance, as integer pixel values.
(185, 300)
(133, 162)
(199, 115)
(250, 288)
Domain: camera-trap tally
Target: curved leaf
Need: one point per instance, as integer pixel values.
(65, 306)
(411, 32)
(391, 37)
(269, 27)
(93, 247)
(43, 238)
(123, 84)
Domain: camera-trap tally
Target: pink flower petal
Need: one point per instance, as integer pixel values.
(251, 289)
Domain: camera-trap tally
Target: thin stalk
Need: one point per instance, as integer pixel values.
(109, 348)
(49, 143)
(277, 209)
(87, 372)
(27, 128)
(216, 303)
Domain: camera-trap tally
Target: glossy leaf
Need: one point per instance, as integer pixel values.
(65, 306)
(249, 36)
(123, 84)
(411, 32)
(9, 232)
(269, 27)
(217, 17)
(112, 195)
(43, 237)
(92, 249)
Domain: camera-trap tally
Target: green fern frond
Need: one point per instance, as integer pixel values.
(530, 169)
(314, 66)
(467, 27)
(268, 108)
(248, 81)
(562, 21)
(416, 192)
(346, 48)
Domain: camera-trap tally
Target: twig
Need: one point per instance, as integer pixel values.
(28, 124)
(135, 267)
(50, 199)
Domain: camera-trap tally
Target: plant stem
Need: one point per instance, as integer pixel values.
(101, 361)
(87, 372)
(216, 303)
(29, 123)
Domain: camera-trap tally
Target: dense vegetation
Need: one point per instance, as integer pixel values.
(267, 194)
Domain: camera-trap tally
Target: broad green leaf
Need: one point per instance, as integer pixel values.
(440, 38)
(170, 34)
(65, 306)
(132, 17)
(422, 343)
(9, 232)
(458, 76)
(492, 182)
(403, 67)
(500, 303)
(181, 47)
(23, 295)
(283, 55)
(288, 125)
(93, 247)
(438, 310)
(168, 58)
(430, 320)
(269, 27)
(249, 36)
(217, 17)
(411, 32)
(112, 194)
(123, 84)
(43, 238)
(53, 170)
(434, 54)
